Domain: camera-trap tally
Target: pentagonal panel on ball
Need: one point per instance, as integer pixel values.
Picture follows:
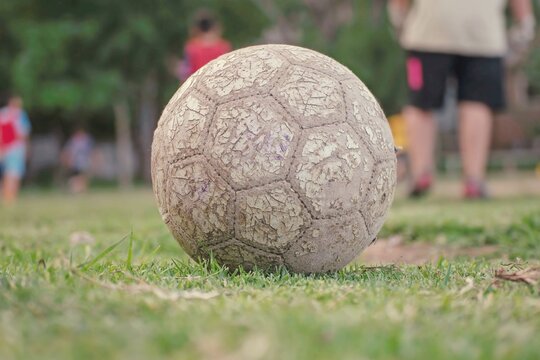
(314, 60)
(365, 115)
(379, 199)
(201, 204)
(311, 97)
(270, 217)
(251, 141)
(328, 244)
(188, 86)
(331, 170)
(244, 72)
(185, 125)
(235, 253)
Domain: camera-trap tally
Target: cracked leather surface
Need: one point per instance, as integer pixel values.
(271, 156)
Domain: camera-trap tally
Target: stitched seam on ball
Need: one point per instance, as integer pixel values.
(206, 129)
(327, 72)
(290, 180)
(260, 247)
(180, 158)
(304, 228)
(348, 121)
(229, 98)
(300, 123)
(287, 111)
(281, 56)
(238, 242)
(375, 166)
(280, 75)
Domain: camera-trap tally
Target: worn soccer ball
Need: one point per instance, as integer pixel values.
(273, 156)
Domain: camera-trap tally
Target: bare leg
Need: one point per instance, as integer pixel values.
(10, 188)
(421, 131)
(78, 184)
(475, 123)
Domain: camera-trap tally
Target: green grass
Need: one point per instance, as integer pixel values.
(143, 299)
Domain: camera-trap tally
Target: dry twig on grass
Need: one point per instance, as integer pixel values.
(529, 276)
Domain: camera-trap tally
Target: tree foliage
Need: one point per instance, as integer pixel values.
(72, 59)
(78, 57)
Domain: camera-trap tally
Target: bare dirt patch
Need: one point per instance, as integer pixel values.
(395, 251)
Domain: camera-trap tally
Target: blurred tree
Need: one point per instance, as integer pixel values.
(367, 45)
(79, 58)
(354, 32)
(101, 59)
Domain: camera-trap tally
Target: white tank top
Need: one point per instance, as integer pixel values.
(464, 27)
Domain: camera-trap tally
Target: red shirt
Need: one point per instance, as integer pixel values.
(8, 127)
(199, 53)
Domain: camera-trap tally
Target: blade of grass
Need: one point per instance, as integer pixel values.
(101, 255)
(447, 277)
(177, 266)
(130, 251)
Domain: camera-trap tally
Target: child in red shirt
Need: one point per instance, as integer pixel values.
(205, 45)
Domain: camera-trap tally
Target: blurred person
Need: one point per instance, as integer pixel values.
(14, 135)
(77, 158)
(467, 40)
(204, 45)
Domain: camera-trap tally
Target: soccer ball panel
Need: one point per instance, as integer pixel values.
(252, 141)
(184, 126)
(328, 245)
(200, 203)
(314, 60)
(189, 84)
(331, 170)
(270, 217)
(244, 72)
(365, 115)
(378, 200)
(311, 97)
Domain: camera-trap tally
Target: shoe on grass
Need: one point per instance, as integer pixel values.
(421, 186)
(475, 190)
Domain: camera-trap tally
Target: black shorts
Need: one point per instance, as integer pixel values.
(479, 79)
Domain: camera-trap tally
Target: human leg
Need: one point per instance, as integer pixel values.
(421, 133)
(10, 188)
(426, 76)
(13, 171)
(480, 92)
(475, 124)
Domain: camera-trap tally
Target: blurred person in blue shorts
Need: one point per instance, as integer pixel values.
(14, 133)
(77, 158)
(466, 40)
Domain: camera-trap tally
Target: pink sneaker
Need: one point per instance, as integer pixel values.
(421, 186)
(474, 189)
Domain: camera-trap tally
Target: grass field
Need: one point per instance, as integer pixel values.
(63, 295)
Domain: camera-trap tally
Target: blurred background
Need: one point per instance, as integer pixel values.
(106, 66)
